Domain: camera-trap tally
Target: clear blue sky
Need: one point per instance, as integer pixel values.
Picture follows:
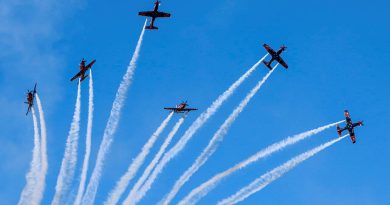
(338, 53)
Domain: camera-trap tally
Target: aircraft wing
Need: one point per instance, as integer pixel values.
(90, 65)
(146, 13)
(170, 108)
(360, 123)
(163, 14)
(28, 109)
(281, 61)
(79, 74)
(352, 136)
(269, 49)
(35, 89)
(189, 109)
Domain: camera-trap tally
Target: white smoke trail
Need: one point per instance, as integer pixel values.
(261, 182)
(35, 166)
(156, 158)
(112, 124)
(124, 181)
(40, 188)
(199, 122)
(196, 194)
(88, 140)
(69, 160)
(214, 142)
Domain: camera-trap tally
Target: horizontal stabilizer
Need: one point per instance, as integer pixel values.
(338, 130)
(267, 64)
(151, 27)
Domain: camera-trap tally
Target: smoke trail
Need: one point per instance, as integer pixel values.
(274, 174)
(69, 160)
(199, 122)
(215, 141)
(202, 190)
(35, 166)
(112, 124)
(122, 184)
(156, 158)
(40, 188)
(88, 139)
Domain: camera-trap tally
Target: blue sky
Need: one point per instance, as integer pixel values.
(337, 53)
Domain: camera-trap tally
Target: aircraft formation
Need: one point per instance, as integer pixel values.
(184, 107)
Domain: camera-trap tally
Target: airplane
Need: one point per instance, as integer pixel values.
(154, 14)
(275, 56)
(350, 126)
(83, 69)
(30, 98)
(181, 108)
